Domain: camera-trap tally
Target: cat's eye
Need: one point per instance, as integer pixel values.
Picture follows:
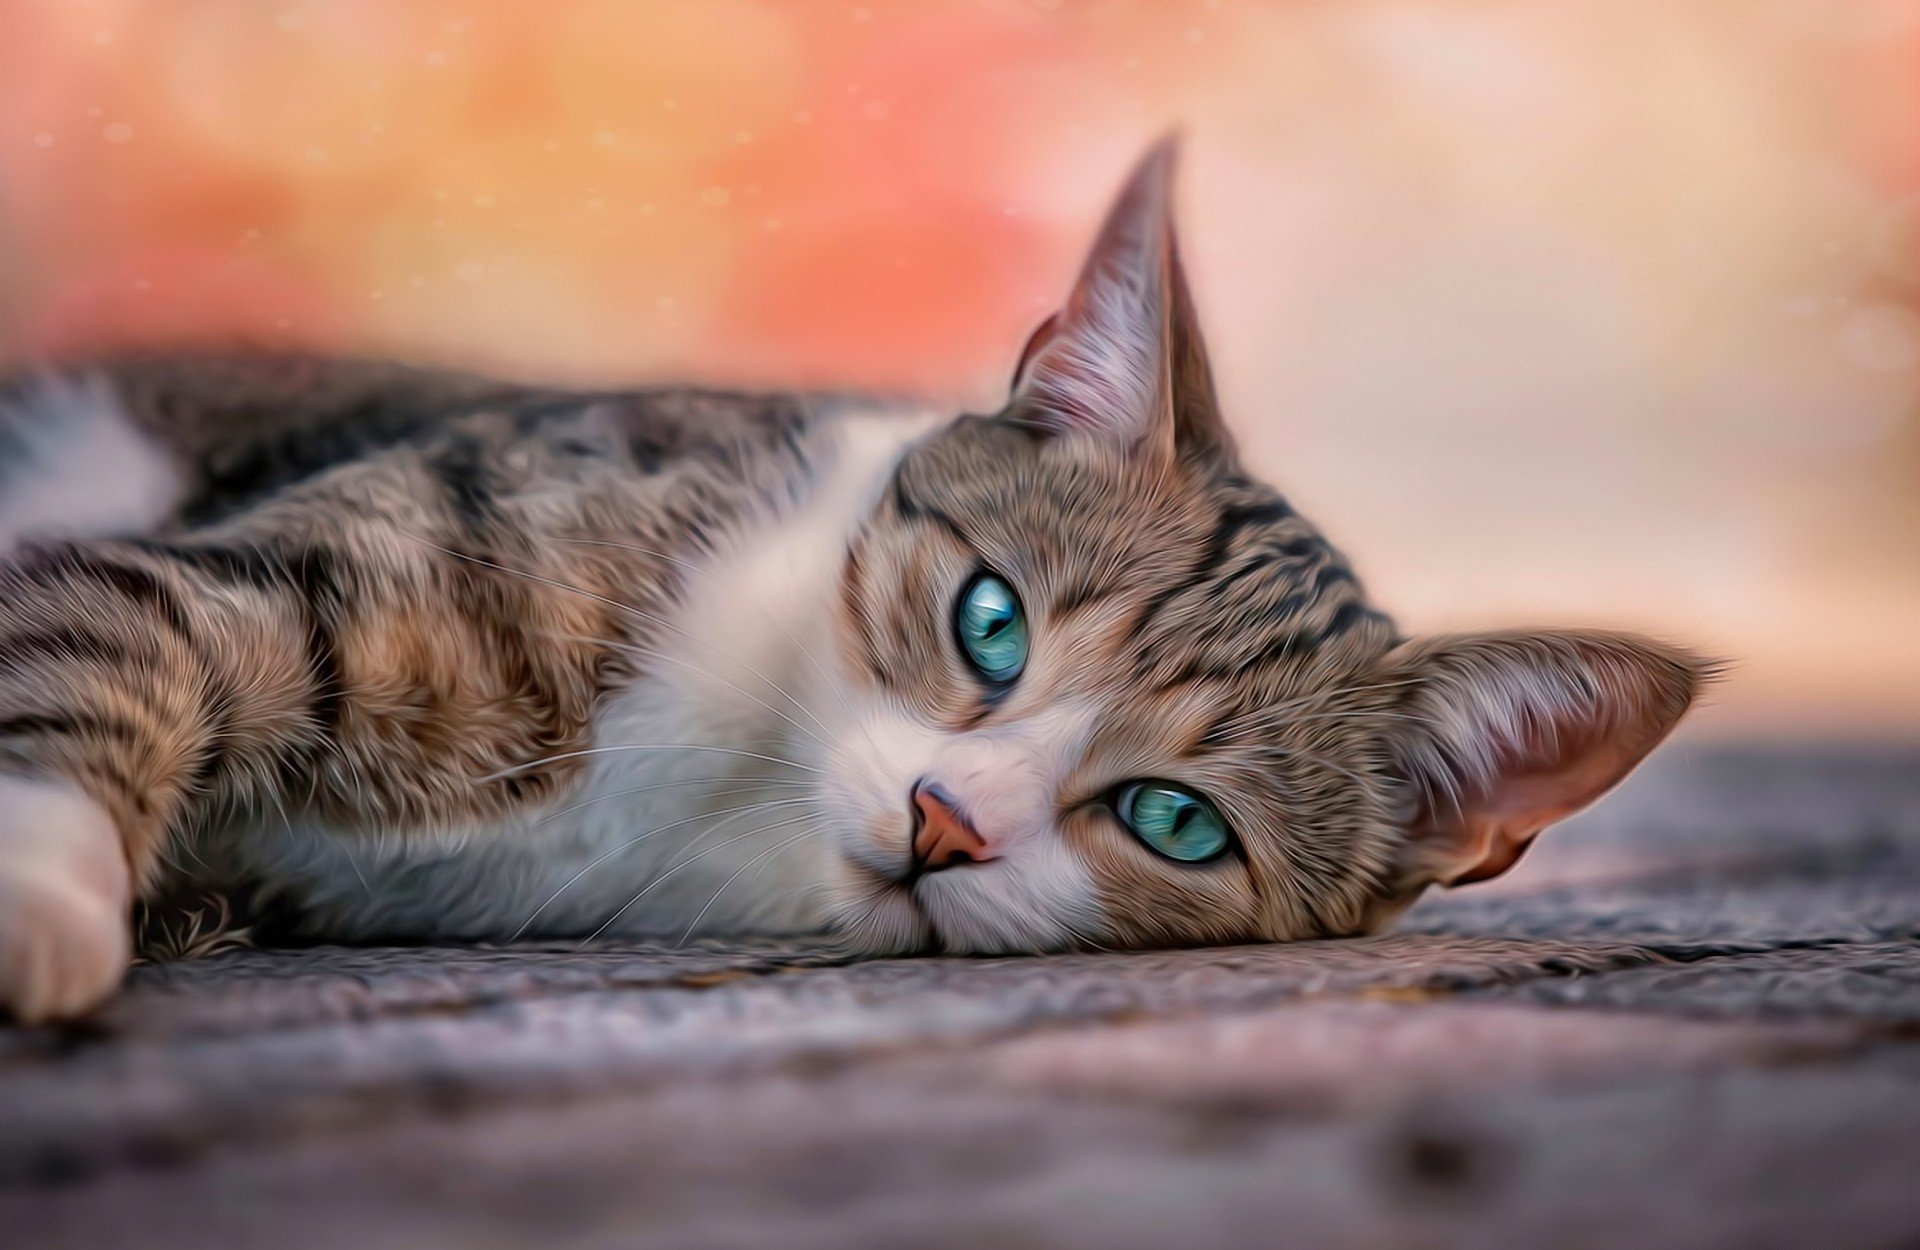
(991, 628)
(1172, 820)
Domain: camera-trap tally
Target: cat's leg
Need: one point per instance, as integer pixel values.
(135, 696)
(64, 893)
(325, 656)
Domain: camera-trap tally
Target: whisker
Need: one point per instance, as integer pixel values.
(358, 875)
(606, 855)
(810, 831)
(748, 786)
(644, 746)
(648, 889)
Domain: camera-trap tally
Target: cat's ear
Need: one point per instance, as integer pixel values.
(1504, 734)
(1122, 364)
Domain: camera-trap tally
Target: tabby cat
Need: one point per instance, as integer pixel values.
(400, 655)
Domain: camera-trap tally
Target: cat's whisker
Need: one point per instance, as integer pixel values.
(644, 746)
(604, 856)
(657, 881)
(810, 831)
(748, 785)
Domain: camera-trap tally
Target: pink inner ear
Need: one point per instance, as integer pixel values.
(1522, 729)
(1494, 831)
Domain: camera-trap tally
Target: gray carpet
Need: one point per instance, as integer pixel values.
(1689, 1021)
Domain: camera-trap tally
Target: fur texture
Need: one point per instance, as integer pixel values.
(383, 653)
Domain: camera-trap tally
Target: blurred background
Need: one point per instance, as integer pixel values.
(1592, 312)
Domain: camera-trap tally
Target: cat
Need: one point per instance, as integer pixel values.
(395, 654)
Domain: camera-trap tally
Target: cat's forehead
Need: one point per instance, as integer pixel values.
(1197, 577)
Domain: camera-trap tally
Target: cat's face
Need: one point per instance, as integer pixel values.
(1100, 688)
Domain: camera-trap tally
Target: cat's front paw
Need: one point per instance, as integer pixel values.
(65, 940)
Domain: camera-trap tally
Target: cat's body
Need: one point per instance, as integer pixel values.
(396, 654)
(710, 622)
(725, 658)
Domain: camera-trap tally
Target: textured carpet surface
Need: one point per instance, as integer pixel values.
(1692, 1020)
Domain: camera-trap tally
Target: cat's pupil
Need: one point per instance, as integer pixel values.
(1174, 822)
(991, 630)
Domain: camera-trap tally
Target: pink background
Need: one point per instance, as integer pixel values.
(1605, 311)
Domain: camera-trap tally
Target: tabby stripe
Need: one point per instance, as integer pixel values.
(1298, 641)
(1079, 595)
(68, 643)
(244, 566)
(353, 430)
(72, 725)
(461, 465)
(1331, 574)
(912, 510)
(311, 575)
(214, 749)
(137, 584)
(1230, 525)
(1349, 615)
(325, 603)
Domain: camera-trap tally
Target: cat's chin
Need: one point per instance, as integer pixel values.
(876, 915)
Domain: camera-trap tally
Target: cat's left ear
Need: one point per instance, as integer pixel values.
(1122, 365)
(1502, 735)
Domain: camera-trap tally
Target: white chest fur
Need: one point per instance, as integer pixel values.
(695, 815)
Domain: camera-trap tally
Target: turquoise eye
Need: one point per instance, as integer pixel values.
(1174, 821)
(992, 629)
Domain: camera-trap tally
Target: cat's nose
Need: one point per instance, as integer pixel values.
(942, 836)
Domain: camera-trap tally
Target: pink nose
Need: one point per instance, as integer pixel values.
(944, 837)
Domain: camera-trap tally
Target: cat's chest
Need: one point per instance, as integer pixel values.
(694, 812)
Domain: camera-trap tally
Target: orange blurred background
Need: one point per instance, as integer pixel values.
(1598, 312)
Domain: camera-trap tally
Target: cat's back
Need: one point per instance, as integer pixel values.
(131, 442)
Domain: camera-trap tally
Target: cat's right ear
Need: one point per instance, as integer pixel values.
(1122, 365)
(1505, 734)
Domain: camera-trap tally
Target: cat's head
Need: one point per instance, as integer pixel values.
(1103, 688)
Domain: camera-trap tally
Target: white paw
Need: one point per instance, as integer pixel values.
(65, 940)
